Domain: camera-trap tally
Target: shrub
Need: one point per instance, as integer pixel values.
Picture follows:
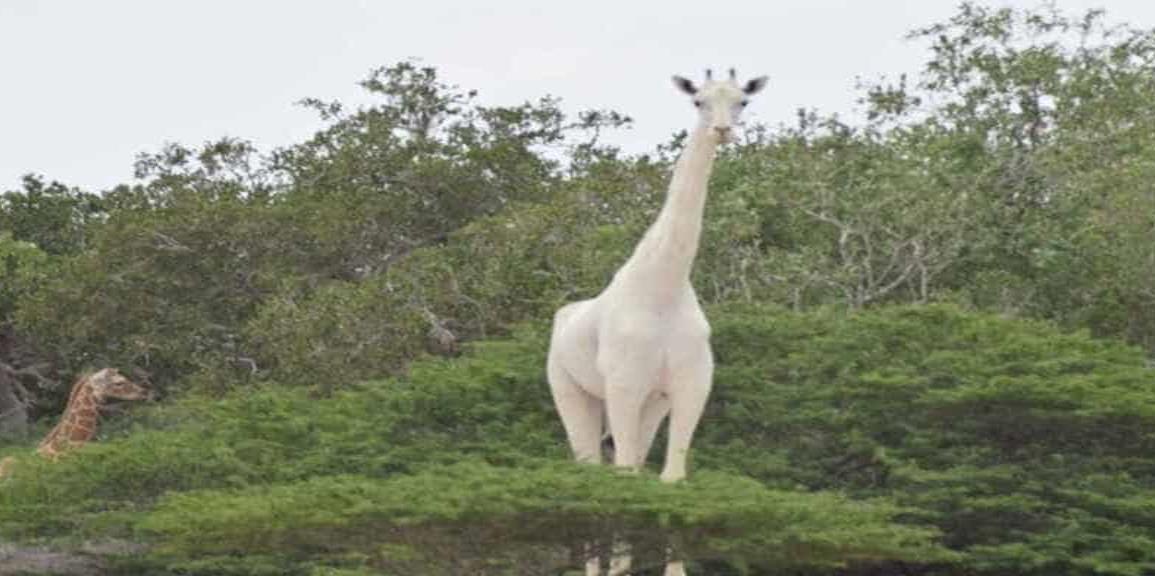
(1025, 447)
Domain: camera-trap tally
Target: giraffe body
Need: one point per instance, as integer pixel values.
(640, 351)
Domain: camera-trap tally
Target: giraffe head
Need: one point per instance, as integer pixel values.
(720, 102)
(110, 384)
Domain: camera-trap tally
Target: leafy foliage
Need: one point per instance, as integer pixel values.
(185, 258)
(989, 428)
(511, 515)
(50, 215)
(23, 267)
(1024, 447)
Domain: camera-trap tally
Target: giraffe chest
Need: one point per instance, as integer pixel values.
(82, 430)
(653, 315)
(73, 430)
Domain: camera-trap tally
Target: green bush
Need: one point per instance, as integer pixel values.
(461, 518)
(1026, 448)
(491, 404)
(23, 268)
(1002, 433)
(490, 275)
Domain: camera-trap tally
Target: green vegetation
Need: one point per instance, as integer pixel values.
(921, 434)
(933, 332)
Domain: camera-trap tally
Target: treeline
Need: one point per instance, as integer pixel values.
(1012, 177)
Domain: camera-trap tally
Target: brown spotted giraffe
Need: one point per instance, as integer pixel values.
(78, 423)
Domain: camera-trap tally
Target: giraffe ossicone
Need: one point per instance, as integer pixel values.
(640, 350)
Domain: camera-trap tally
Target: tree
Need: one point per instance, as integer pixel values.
(23, 268)
(381, 181)
(49, 215)
(186, 256)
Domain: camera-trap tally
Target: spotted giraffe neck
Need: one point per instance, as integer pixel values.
(78, 423)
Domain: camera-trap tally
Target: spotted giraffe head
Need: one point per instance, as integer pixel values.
(110, 384)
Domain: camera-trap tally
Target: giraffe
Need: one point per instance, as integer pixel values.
(640, 349)
(77, 424)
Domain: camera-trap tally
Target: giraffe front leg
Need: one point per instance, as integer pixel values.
(689, 392)
(626, 390)
(621, 560)
(593, 564)
(689, 389)
(582, 417)
(655, 409)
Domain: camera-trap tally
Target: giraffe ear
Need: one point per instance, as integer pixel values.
(756, 85)
(685, 85)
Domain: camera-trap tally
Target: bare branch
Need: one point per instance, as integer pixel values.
(168, 243)
(32, 372)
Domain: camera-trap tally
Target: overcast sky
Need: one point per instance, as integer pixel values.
(86, 85)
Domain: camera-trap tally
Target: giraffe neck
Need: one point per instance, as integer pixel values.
(665, 256)
(77, 424)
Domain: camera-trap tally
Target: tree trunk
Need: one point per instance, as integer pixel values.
(13, 408)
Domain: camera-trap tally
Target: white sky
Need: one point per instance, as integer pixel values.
(86, 85)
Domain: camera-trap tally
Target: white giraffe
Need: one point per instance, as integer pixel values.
(641, 349)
